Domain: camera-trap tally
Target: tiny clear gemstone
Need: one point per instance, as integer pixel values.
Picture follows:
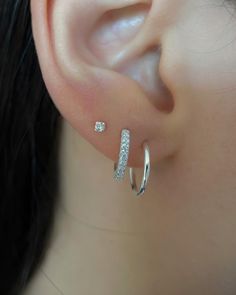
(100, 127)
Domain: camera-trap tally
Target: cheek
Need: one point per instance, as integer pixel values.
(199, 65)
(199, 60)
(200, 50)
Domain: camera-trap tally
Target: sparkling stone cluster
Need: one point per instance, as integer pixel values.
(100, 127)
(123, 156)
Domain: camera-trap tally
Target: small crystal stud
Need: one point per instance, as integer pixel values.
(100, 127)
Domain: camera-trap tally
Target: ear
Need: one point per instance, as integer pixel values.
(101, 61)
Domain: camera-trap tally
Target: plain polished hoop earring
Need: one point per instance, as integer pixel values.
(146, 173)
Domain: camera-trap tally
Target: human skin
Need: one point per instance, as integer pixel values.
(179, 237)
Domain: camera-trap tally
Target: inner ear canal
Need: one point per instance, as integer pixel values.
(115, 29)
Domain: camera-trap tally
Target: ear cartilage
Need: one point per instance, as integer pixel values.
(100, 126)
(123, 155)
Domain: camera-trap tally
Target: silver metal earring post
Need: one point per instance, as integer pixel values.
(146, 173)
(120, 167)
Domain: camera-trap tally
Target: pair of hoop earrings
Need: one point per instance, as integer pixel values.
(121, 165)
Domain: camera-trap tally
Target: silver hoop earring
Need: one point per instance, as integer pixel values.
(146, 173)
(123, 155)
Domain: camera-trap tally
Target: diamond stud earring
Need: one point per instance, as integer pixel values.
(100, 127)
(123, 155)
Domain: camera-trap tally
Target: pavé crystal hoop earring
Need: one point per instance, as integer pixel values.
(120, 167)
(146, 173)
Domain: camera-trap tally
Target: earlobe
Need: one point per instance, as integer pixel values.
(100, 63)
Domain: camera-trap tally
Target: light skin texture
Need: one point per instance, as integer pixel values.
(180, 237)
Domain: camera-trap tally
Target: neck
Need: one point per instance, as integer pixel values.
(106, 241)
(102, 231)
